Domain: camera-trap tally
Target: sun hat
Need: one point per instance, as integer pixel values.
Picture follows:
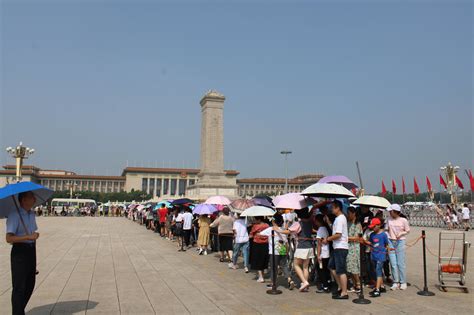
(374, 222)
(394, 207)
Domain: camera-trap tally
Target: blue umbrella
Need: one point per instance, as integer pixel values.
(182, 201)
(166, 203)
(9, 196)
(203, 209)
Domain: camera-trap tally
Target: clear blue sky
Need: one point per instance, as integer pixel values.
(91, 85)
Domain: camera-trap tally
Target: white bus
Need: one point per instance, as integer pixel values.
(69, 205)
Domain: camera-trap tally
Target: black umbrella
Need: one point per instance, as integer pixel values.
(182, 201)
(263, 200)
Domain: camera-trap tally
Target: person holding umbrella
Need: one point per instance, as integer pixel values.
(17, 202)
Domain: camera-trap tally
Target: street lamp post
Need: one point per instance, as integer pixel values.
(19, 153)
(286, 153)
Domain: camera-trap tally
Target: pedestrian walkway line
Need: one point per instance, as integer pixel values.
(93, 271)
(115, 273)
(72, 271)
(138, 277)
(196, 269)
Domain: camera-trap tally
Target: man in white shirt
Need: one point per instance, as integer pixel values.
(466, 217)
(187, 227)
(337, 262)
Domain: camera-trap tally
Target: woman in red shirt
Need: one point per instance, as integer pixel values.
(259, 249)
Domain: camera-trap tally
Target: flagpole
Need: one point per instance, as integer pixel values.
(403, 189)
(440, 193)
(469, 177)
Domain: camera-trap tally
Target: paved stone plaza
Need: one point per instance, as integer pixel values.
(112, 266)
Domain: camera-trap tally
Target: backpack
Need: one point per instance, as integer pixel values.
(295, 228)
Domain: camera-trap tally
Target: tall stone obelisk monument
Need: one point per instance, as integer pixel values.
(212, 179)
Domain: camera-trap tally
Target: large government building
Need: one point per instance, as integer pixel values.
(159, 182)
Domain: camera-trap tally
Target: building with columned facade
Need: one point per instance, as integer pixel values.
(161, 183)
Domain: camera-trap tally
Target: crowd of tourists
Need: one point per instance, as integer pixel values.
(335, 247)
(457, 219)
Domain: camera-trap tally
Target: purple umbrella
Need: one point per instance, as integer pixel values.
(338, 179)
(203, 209)
(263, 201)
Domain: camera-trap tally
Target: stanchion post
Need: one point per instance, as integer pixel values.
(274, 290)
(360, 298)
(425, 291)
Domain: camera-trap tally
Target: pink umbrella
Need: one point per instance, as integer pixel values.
(218, 200)
(242, 204)
(292, 201)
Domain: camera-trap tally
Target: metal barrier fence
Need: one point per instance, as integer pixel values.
(429, 220)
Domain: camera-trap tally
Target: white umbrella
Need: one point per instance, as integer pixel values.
(257, 211)
(218, 200)
(372, 201)
(327, 191)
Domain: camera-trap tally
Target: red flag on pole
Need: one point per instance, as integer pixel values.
(442, 182)
(394, 187)
(428, 184)
(416, 189)
(471, 180)
(404, 189)
(384, 190)
(458, 181)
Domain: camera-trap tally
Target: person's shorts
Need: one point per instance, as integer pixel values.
(304, 253)
(162, 224)
(378, 268)
(338, 261)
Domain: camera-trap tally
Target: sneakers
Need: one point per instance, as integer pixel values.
(403, 286)
(260, 280)
(246, 270)
(395, 286)
(205, 253)
(319, 290)
(383, 290)
(232, 266)
(375, 293)
(200, 251)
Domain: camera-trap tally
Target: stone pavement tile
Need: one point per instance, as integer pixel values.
(5, 302)
(70, 304)
(136, 270)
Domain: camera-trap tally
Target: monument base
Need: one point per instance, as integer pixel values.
(202, 192)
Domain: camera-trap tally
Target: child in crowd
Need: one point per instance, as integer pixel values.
(281, 249)
(378, 241)
(323, 254)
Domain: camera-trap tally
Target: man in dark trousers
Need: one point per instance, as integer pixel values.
(21, 233)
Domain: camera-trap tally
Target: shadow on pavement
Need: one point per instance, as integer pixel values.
(66, 307)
